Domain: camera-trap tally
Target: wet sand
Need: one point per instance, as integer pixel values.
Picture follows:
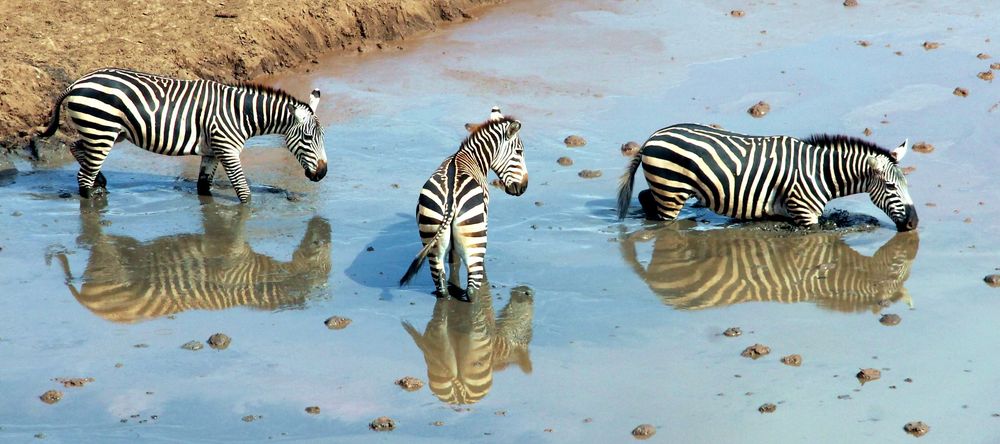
(613, 342)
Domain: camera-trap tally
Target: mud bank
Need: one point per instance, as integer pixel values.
(47, 45)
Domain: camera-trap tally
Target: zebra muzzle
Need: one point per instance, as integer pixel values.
(320, 172)
(911, 220)
(517, 188)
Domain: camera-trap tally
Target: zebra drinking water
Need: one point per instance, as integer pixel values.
(755, 177)
(184, 117)
(453, 205)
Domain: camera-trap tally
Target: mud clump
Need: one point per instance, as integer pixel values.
(74, 382)
(961, 92)
(192, 345)
(993, 280)
(760, 109)
(868, 375)
(732, 332)
(644, 431)
(907, 170)
(564, 161)
(792, 360)
(589, 174)
(755, 351)
(995, 66)
(382, 424)
(312, 410)
(630, 148)
(850, 3)
(737, 13)
(931, 45)
(574, 141)
(219, 341)
(252, 418)
(916, 428)
(890, 319)
(867, 132)
(986, 75)
(337, 323)
(863, 43)
(982, 56)
(51, 396)
(767, 408)
(923, 147)
(410, 384)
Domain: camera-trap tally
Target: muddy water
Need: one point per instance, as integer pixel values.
(623, 323)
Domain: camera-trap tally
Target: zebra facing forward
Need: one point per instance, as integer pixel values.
(184, 117)
(755, 177)
(453, 205)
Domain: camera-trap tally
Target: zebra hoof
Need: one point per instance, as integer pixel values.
(92, 192)
(101, 182)
(454, 290)
(204, 189)
(462, 296)
(438, 294)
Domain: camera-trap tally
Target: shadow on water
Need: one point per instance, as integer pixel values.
(464, 343)
(384, 260)
(129, 281)
(699, 269)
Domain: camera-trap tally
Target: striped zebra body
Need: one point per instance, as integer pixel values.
(756, 177)
(454, 203)
(128, 281)
(465, 344)
(701, 269)
(184, 117)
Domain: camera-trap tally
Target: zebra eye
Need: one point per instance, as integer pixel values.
(891, 186)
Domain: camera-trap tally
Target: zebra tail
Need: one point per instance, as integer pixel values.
(625, 184)
(54, 121)
(419, 260)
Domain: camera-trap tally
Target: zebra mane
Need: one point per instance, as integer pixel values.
(840, 140)
(487, 124)
(272, 91)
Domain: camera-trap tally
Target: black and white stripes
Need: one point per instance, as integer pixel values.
(453, 205)
(753, 177)
(184, 117)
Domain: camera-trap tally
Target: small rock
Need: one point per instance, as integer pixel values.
(792, 360)
(219, 341)
(931, 45)
(589, 174)
(986, 75)
(760, 109)
(863, 43)
(732, 332)
(643, 431)
(539, 203)
(574, 141)
(908, 380)
(961, 92)
(767, 408)
(51, 396)
(437, 423)
(868, 131)
(382, 424)
(737, 13)
(500, 413)
(890, 319)
(868, 375)
(251, 418)
(755, 351)
(916, 428)
(192, 345)
(923, 147)
(995, 66)
(370, 249)
(312, 410)
(993, 280)
(337, 323)
(564, 161)
(982, 56)
(74, 382)
(850, 3)
(410, 384)
(630, 148)
(907, 170)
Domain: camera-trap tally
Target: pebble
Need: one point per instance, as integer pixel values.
(993, 280)
(564, 161)
(961, 92)
(850, 3)
(337, 323)
(890, 319)
(219, 341)
(312, 410)
(644, 431)
(767, 408)
(409, 383)
(589, 174)
(574, 141)
(755, 351)
(51, 396)
(760, 109)
(916, 428)
(923, 147)
(192, 345)
(732, 332)
(382, 424)
(792, 360)
(868, 375)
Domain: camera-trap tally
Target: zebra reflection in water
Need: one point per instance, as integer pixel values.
(127, 280)
(695, 270)
(464, 343)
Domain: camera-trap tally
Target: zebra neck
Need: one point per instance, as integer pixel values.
(473, 161)
(267, 113)
(844, 170)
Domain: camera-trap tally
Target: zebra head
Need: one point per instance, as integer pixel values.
(508, 157)
(305, 138)
(888, 190)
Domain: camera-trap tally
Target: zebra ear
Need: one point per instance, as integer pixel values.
(314, 100)
(900, 151)
(513, 128)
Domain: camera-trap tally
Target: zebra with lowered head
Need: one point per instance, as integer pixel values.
(755, 177)
(184, 117)
(453, 205)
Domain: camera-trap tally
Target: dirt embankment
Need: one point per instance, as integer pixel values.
(47, 45)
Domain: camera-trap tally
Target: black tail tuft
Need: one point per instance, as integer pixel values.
(625, 184)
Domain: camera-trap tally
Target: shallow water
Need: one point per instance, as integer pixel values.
(608, 339)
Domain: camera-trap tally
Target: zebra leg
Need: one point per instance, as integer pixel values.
(90, 156)
(205, 174)
(471, 242)
(804, 212)
(662, 206)
(77, 149)
(434, 259)
(234, 170)
(454, 288)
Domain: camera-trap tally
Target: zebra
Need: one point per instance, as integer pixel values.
(454, 202)
(128, 281)
(701, 269)
(184, 117)
(755, 177)
(464, 344)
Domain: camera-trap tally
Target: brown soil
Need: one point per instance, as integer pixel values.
(993, 280)
(589, 174)
(51, 396)
(916, 428)
(755, 351)
(961, 92)
(792, 360)
(760, 109)
(644, 431)
(564, 161)
(312, 410)
(337, 323)
(767, 408)
(630, 148)
(410, 384)
(219, 341)
(382, 424)
(868, 375)
(47, 45)
(732, 332)
(575, 141)
(890, 319)
(74, 382)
